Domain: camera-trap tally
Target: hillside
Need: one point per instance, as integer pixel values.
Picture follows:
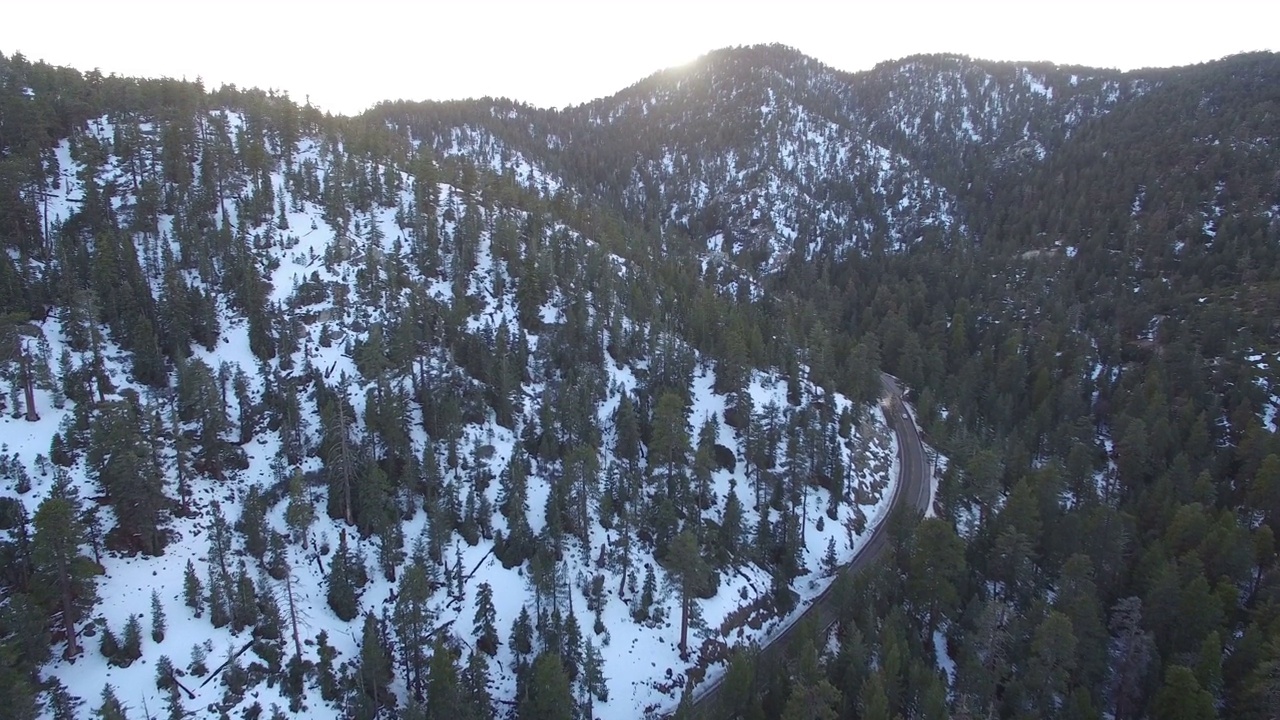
(298, 384)
(476, 409)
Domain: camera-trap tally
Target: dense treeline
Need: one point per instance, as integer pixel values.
(1099, 398)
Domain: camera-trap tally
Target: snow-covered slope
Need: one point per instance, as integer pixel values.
(320, 287)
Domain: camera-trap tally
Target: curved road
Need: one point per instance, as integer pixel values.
(911, 491)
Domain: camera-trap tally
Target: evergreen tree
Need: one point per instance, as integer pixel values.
(326, 677)
(935, 568)
(688, 569)
(522, 634)
(475, 686)
(65, 578)
(1182, 698)
(483, 630)
(373, 676)
(62, 704)
(443, 689)
(164, 673)
(192, 590)
(411, 620)
(874, 703)
(157, 618)
(547, 693)
(243, 600)
(731, 532)
(252, 524)
(122, 459)
(342, 582)
(646, 595)
(197, 666)
(571, 651)
(218, 600)
(131, 644)
(300, 513)
(627, 431)
(110, 708)
(109, 645)
(594, 684)
(670, 445)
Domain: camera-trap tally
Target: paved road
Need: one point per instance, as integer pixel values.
(911, 491)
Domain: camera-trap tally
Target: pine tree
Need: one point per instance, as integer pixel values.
(192, 591)
(325, 676)
(373, 676)
(873, 701)
(595, 686)
(109, 645)
(689, 570)
(547, 694)
(197, 666)
(934, 569)
(412, 620)
(483, 629)
(300, 513)
(66, 586)
(123, 460)
(1052, 660)
(252, 524)
(270, 623)
(647, 591)
(669, 448)
(110, 708)
(342, 583)
(62, 704)
(627, 431)
(475, 686)
(219, 603)
(830, 563)
(294, 686)
(157, 618)
(243, 601)
(164, 673)
(445, 694)
(131, 645)
(571, 647)
(173, 703)
(277, 557)
(522, 634)
(1182, 698)
(731, 525)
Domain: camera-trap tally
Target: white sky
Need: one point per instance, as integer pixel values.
(348, 56)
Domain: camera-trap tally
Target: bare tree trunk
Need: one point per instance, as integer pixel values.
(68, 615)
(293, 612)
(28, 382)
(346, 462)
(684, 623)
(223, 666)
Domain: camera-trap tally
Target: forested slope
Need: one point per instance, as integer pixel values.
(386, 435)
(570, 348)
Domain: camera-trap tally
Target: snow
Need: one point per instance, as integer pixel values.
(487, 151)
(943, 658)
(938, 464)
(1036, 84)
